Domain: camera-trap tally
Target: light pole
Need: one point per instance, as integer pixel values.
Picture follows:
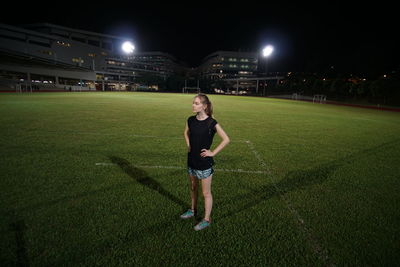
(267, 51)
(128, 49)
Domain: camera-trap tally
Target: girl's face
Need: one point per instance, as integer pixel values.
(197, 106)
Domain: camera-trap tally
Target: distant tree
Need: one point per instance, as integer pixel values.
(386, 91)
(362, 89)
(317, 86)
(353, 90)
(339, 88)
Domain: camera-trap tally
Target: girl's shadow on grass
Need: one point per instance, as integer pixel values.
(297, 180)
(18, 226)
(142, 177)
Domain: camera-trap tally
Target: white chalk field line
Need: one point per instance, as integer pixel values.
(182, 168)
(131, 135)
(318, 249)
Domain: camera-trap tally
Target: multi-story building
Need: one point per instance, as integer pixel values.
(57, 57)
(229, 64)
(235, 68)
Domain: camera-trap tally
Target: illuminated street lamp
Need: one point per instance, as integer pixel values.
(128, 47)
(267, 51)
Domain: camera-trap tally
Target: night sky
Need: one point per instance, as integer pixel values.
(340, 37)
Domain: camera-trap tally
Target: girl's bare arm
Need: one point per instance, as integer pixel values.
(224, 142)
(186, 135)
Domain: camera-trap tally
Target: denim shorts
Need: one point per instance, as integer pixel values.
(200, 174)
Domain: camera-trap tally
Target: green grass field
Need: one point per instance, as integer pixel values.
(99, 179)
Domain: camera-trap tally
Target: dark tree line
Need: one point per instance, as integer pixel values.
(383, 90)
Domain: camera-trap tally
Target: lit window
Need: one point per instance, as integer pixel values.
(62, 43)
(77, 60)
(46, 52)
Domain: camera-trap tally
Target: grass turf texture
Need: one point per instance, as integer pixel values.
(330, 195)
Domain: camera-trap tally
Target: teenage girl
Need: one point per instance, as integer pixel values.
(199, 133)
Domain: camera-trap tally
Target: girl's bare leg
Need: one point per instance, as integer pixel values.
(208, 199)
(194, 192)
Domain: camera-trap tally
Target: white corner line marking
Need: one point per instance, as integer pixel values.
(318, 249)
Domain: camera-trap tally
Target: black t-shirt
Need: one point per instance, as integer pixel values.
(201, 134)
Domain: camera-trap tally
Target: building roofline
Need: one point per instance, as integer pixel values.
(27, 31)
(144, 53)
(230, 52)
(85, 32)
(219, 52)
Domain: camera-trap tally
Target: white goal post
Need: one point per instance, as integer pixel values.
(319, 99)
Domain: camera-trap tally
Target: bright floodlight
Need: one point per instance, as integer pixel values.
(268, 50)
(128, 47)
